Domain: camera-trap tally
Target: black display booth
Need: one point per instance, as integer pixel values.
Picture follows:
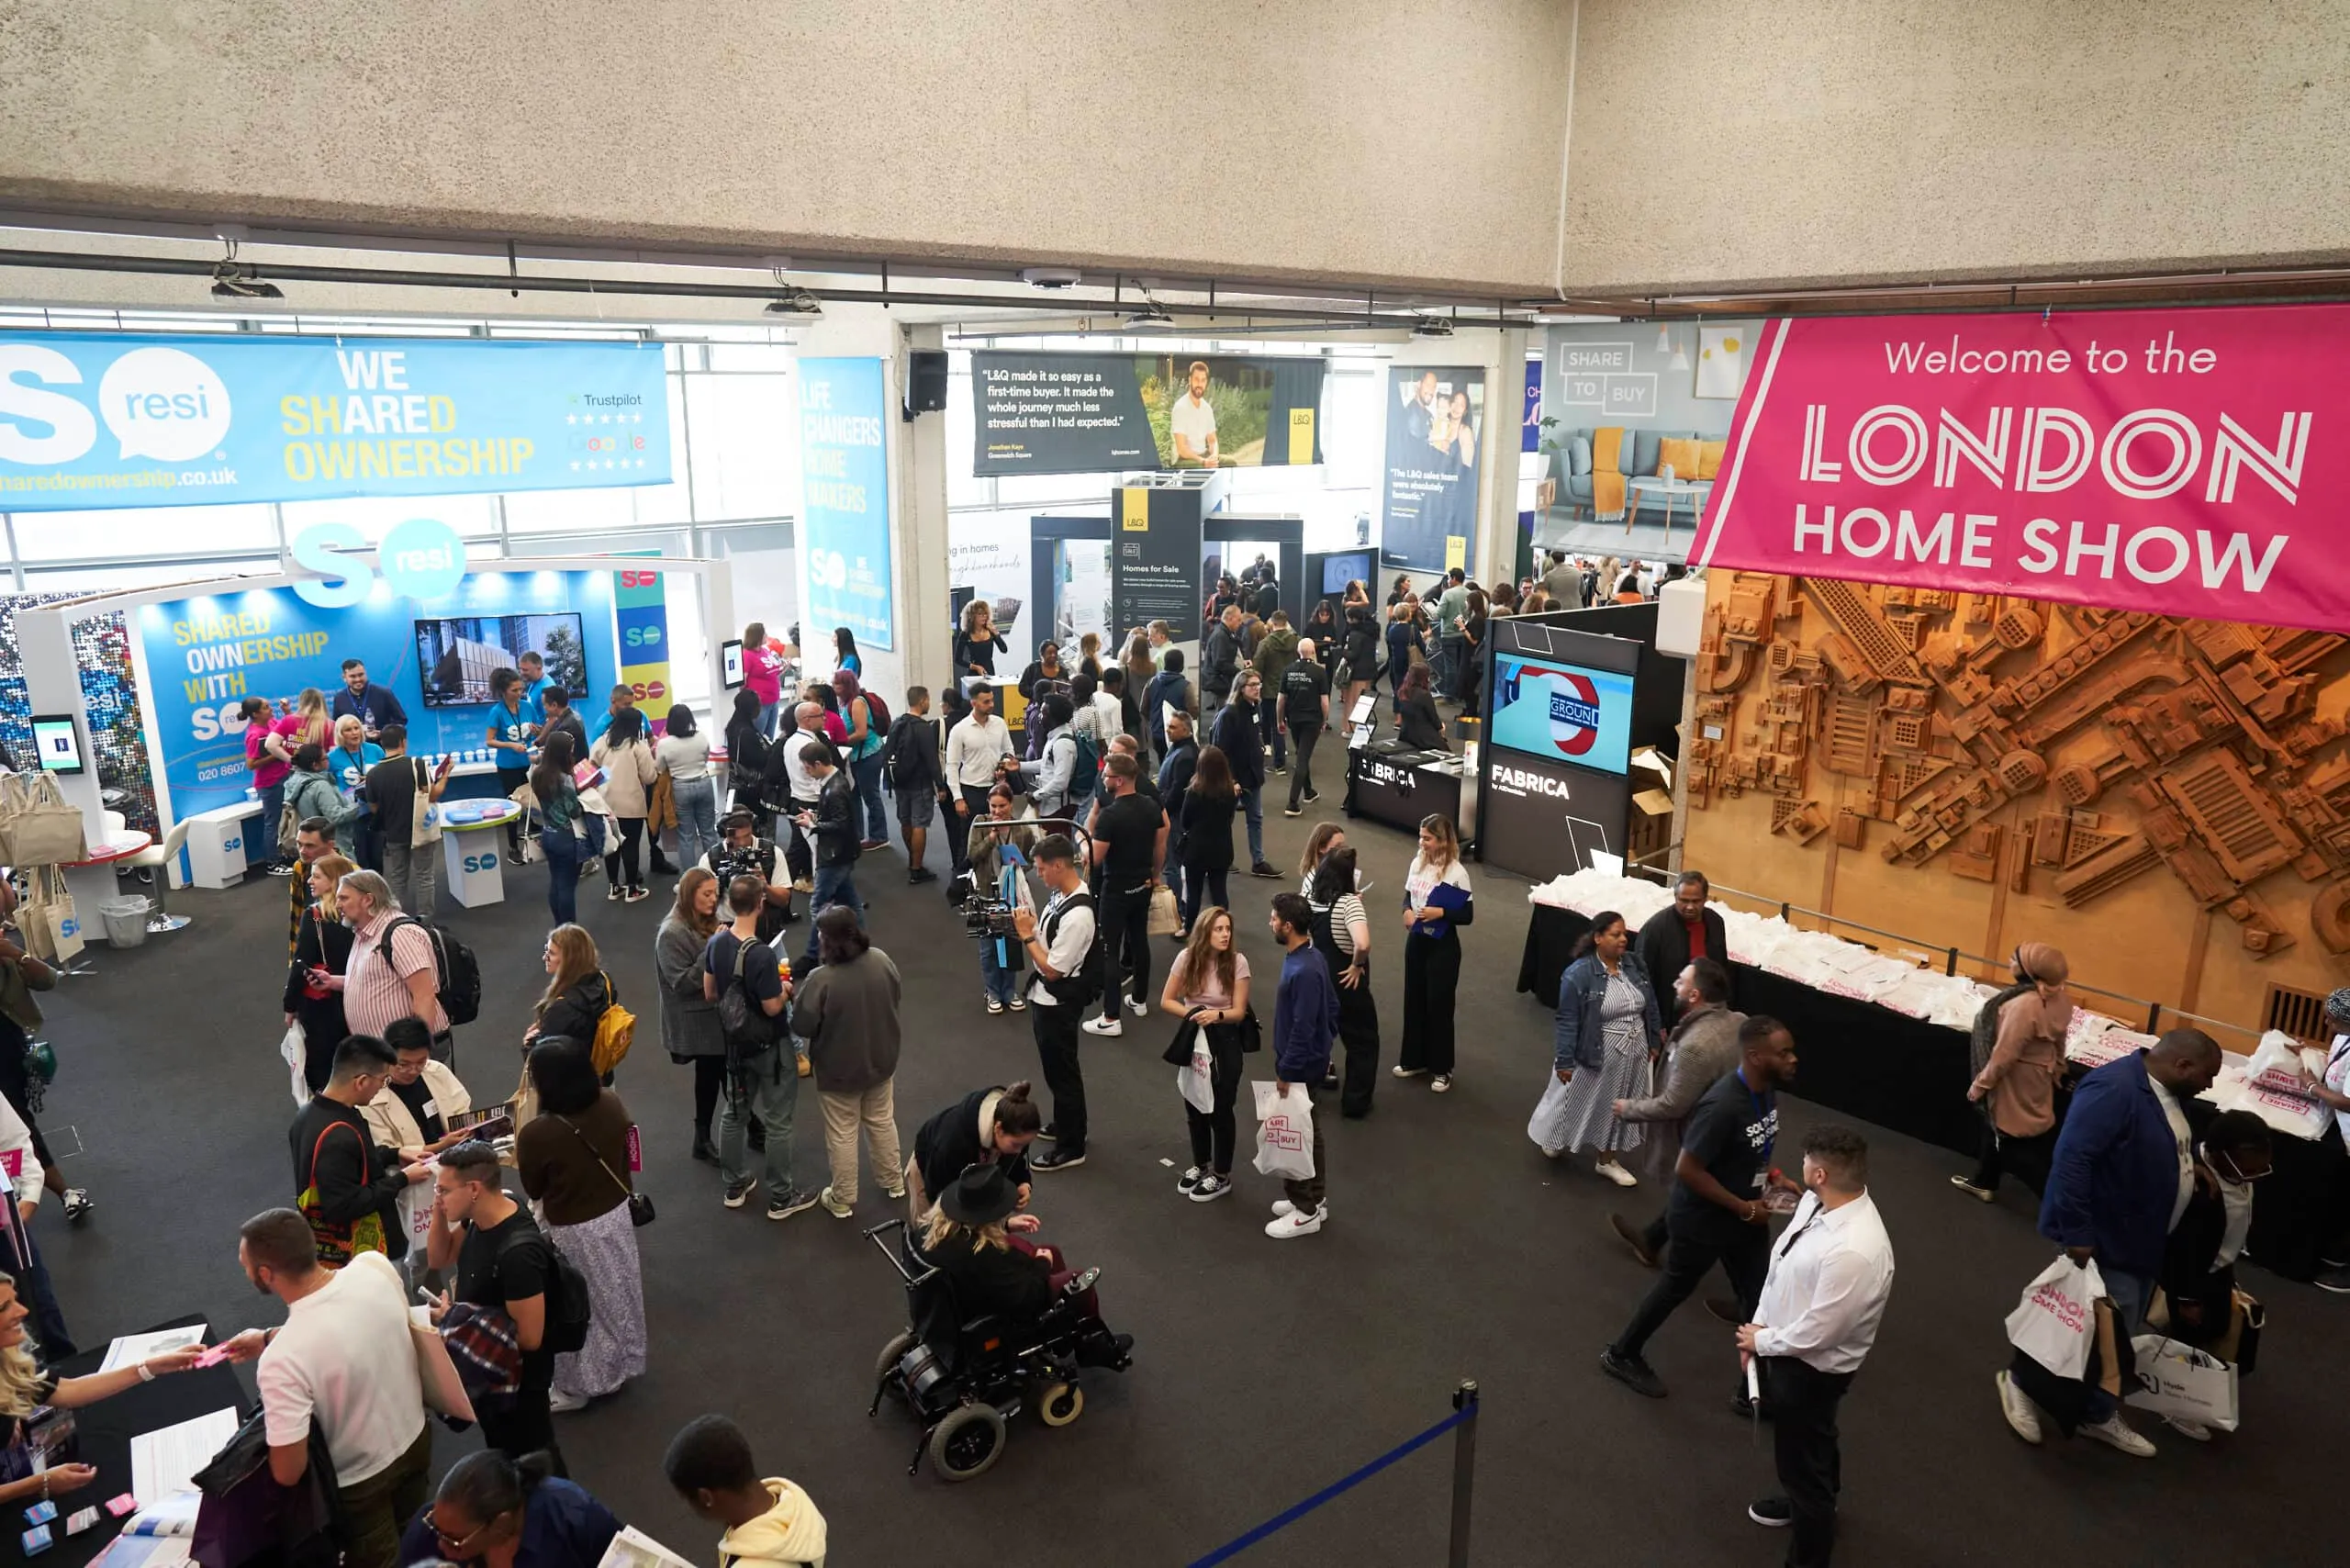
(1538, 812)
(1050, 570)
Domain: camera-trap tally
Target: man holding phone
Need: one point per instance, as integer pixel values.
(401, 790)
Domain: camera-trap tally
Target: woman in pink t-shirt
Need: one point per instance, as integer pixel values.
(762, 674)
(268, 767)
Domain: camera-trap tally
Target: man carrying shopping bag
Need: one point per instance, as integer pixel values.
(2120, 1178)
(1306, 1020)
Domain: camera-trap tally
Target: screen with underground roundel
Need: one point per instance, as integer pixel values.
(1564, 712)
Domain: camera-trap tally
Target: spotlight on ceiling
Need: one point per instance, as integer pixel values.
(798, 302)
(243, 280)
(1151, 315)
(1051, 277)
(1431, 326)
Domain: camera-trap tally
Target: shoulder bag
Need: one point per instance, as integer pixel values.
(640, 1204)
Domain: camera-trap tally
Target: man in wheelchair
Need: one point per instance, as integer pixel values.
(990, 1272)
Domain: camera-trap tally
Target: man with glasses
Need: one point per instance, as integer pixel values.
(503, 1262)
(345, 1186)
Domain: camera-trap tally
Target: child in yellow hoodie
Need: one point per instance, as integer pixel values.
(767, 1521)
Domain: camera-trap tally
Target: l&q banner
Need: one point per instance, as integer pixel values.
(1087, 413)
(2166, 461)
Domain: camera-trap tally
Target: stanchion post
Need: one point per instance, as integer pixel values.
(1464, 1470)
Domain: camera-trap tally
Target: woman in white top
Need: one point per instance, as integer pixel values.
(1437, 902)
(629, 771)
(1325, 838)
(1342, 934)
(683, 755)
(1208, 987)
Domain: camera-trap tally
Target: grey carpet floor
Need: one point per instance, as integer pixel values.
(1263, 1370)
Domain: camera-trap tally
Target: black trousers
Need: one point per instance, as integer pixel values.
(710, 1076)
(1301, 779)
(524, 1427)
(509, 780)
(1126, 941)
(1056, 1029)
(1803, 1402)
(1358, 1033)
(1213, 1132)
(958, 824)
(2028, 1158)
(1270, 728)
(621, 867)
(1689, 1257)
(1431, 974)
(797, 855)
(1204, 889)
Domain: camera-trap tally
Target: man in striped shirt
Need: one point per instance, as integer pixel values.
(377, 990)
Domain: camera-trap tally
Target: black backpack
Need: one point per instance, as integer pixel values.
(1086, 985)
(897, 751)
(1985, 1035)
(568, 1309)
(746, 1024)
(457, 972)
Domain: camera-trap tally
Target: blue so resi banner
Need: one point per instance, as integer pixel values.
(96, 420)
(844, 498)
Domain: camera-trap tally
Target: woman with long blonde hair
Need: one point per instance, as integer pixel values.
(689, 1027)
(26, 1386)
(577, 988)
(1438, 902)
(1208, 989)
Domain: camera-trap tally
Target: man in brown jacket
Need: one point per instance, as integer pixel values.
(1703, 1046)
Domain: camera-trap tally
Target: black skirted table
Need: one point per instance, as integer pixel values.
(1910, 1076)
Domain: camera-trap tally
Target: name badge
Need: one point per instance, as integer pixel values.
(432, 1108)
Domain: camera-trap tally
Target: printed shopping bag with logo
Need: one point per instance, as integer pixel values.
(2054, 1321)
(338, 1241)
(2180, 1380)
(1284, 1132)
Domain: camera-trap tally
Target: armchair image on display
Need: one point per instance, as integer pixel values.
(456, 655)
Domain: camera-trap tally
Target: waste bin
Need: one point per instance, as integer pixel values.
(126, 920)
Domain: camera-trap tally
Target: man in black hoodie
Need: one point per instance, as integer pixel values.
(1243, 744)
(1220, 658)
(1175, 772)
(342, 1179)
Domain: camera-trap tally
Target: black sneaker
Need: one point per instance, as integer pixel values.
(1293, 811)
(1772, 1513)
(790, 1203)
(739, 1193)
(922, 874)
(1725, 1310)
(1632, 1372)
(2337, 1280)
(1059, 1160)
(704, 1151)
(1633, 1238)
(1264, 868)
(1312, 796)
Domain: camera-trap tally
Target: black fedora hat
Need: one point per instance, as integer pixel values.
(979, 1196)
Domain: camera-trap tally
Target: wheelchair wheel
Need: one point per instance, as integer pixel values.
(968, 1442)
(891, 1354)
(1060, 1404)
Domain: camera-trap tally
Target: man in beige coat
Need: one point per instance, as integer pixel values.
(1702, 1047)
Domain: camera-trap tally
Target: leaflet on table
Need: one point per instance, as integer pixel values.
(634, 1549)
(133, 1349)
(163, 1463)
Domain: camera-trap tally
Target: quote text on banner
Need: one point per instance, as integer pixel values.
(2179, 462)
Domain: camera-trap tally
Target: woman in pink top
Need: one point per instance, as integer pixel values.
(268, 767)
(762, 674)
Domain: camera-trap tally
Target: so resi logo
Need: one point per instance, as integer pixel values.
(164, 404)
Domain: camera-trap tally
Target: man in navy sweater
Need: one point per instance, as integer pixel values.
(1305, 1019)
(2122, 1173)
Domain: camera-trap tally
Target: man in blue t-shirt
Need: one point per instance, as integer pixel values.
(762, 1080)
(1306, 1020)
(534, 685)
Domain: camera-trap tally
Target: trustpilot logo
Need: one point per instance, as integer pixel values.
(160, 403)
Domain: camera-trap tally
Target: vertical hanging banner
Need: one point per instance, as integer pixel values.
(2144, 460)
(1155, 559)
(844, 500)
(1429, 503)
(641, 606)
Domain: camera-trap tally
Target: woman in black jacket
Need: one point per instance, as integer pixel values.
(1416, 714)
(1206, 812)
(746, 760)
(321, 943)
(578, 990)
(987, 1126)
(1362, 651)
(1046, 666)
(1240, 733)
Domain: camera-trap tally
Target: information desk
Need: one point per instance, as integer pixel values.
(473, 849)
(1905, 1074)
(1399, 788)
(103, 1432)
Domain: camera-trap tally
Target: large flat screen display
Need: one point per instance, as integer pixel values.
(456, 655)
(1338, 571)
(1565, 712)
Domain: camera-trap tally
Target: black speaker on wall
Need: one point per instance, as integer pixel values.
(925, 382)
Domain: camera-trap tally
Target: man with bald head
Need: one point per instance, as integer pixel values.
(808, 724)
(2122, 1173)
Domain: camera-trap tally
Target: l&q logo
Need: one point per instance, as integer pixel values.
(161, 403)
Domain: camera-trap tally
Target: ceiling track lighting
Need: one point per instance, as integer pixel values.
(797, 302)
(1431, 326)
(235, 280)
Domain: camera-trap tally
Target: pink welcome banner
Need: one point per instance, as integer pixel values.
(2185, 462)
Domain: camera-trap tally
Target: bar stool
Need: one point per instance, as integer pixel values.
(159, 858)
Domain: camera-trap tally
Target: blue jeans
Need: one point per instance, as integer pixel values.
(832, 886)
(272, 806)
(1456, 651)
(1253, 803)
(697, 818)
(770, 1095)
(2131, 1293)
(565, 853)
(997, 979)
(867, 771)
(767, 711)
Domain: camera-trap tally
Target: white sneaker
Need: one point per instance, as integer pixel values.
(2023, 1414)
(1548, 1153)
(1615, 1173)
(2193, 1431)
(2115, 1433)
(561, 1400)
(1106, 1025)
(1140, 1008)
(1283, 1207)
(1294, 1224)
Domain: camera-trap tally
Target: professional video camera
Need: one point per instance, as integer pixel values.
(729, 862)
(985, 916)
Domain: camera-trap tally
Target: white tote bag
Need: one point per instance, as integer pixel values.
(1284, 1132)
(1196, 1078)
(2057, 1316)
(2181, 1380)
(295, 1051)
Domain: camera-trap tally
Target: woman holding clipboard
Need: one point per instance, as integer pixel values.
(1438, 902)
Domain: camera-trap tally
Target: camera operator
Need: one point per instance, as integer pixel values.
(1060, 947)
(740, 851)
(985, 854)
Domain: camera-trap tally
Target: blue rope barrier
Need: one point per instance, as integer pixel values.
(1290, 1515)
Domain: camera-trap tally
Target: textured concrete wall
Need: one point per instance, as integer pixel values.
(1376, 139)
(1722, 141)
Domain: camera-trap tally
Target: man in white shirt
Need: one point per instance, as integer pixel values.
(1060, 944)
(1191, 424)
(343, 1361)
(1831, 1273)
(808, 724)
(975, 747)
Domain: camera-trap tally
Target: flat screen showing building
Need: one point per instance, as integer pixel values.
(1561, 711)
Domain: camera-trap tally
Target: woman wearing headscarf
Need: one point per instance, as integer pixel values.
(2018, 1082)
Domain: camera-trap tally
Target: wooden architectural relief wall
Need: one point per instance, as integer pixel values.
(2167, 800)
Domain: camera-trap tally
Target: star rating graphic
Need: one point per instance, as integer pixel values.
(603, 419)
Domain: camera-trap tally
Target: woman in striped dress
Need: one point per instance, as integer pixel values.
(1610, 1032)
